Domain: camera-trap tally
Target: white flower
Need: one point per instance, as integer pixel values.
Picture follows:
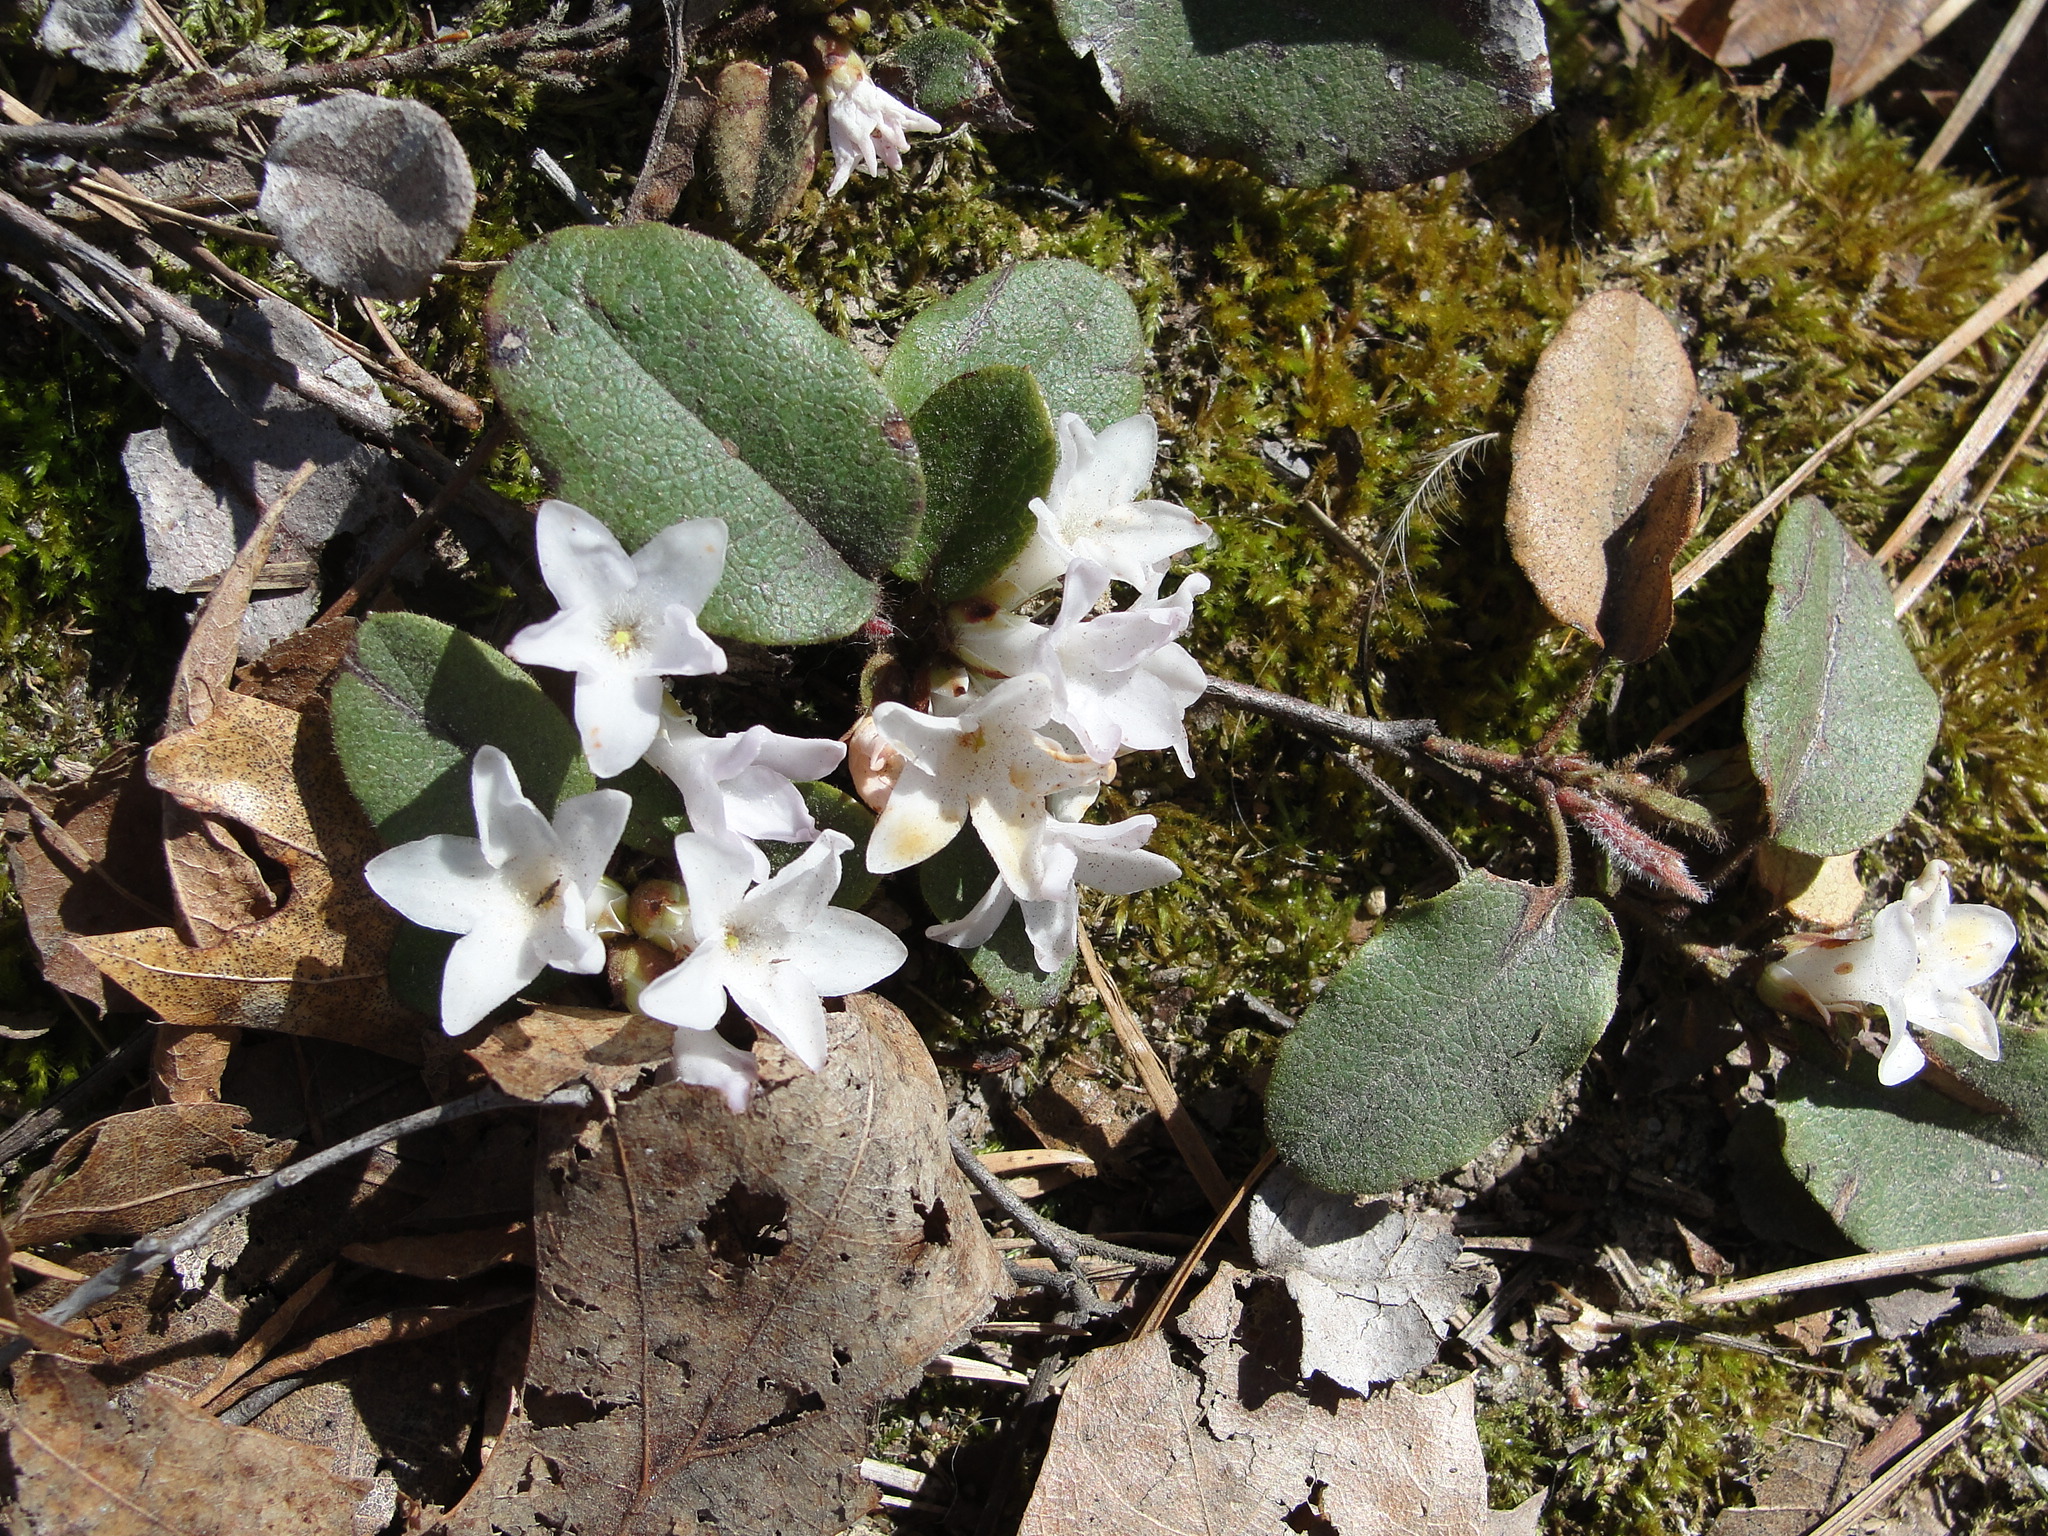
(865, 122)
(524, 894)
(703, 1059)
(1923, 955)
(743, 783)
(1111, 858)
(624, 623)
(777, 948)
(1119, 682)
(1091, 512)
(989, 763)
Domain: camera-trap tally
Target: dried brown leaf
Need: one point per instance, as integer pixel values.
(293, 672)
(139, 1462)
(1636, 610)
(403, 1325)
(1871, 38)
(1609, 401)
(448, 1255)
(1142, 1444)
(187, 1062)
(724, 1300)
(134, 1173)
(762, 142)
(533, 1055)
(318, 966)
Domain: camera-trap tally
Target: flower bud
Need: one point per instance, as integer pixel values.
(874, 763)
(630, 967)
(659, 912)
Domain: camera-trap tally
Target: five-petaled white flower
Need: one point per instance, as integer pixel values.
(1924, 953)
(1111, 858)
(989, 763)
(744, 783)
(625, 623)
(778, 949)
(1092, 512)
(523, 894)
(864, 121)
(1119, 681)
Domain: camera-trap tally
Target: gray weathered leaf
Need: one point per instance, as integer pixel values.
(1375, 1287)
(100, 34)
(1839, 720)
(1451, 1026)
(1355, 90)
(370, 194)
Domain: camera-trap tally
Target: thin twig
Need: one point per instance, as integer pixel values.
(1396, 736)
(1983, 83)
(1163, 1303)
(1914, 587)
(1574, 709)
(1560, 832)
(1925, 1259)
(1180, 1125)
(156, 1250)
(1893, 1480)
(1398, 803)
(1991, 421)
(1993, 310)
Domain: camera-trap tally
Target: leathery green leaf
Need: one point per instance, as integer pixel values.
(411, 709)
(1839, 720)
(1899, 1167)
(1379, 93)
(1075, 329)
(662, 376)
(1451, 1026)
(988, 448)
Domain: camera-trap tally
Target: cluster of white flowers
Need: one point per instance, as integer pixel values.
(1924, 954)
(1018, 742)
(1021, 743)
(868, 127)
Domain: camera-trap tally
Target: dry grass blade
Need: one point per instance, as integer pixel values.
(1180, 1125)
(262, 1341)
(1915, 586)
(1876, 1266)
(1893, 1480)
(1177, 1281)
(1983, 83)
(1991, 421)
(1994, 309)
(402, 1326)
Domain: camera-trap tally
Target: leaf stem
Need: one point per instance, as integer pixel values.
(1439, 844)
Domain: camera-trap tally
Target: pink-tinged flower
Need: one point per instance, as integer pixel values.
(868, 127)
(777, 949)
(626, 622)
(524, 894)
(1924, 953)
(988, 763)
(744, 783)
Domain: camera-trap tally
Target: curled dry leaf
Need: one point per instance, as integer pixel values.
(318, 966)
(1143, 1444)
(370, 194)
(533, 1055)
(1375, 1288)
(1605, 485)
(1871, 38)
(139, 1462)
(724, 1300)
(132, 1174)
(762, 142)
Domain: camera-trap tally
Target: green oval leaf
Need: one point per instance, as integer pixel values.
(1839, 720)
(1361, 91)
(416, 701)
(1453, 1025)
(988, 448)
(1075, 329)
(661, 376)
(1899, 1167)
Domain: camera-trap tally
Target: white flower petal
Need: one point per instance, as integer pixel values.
(716, 871)
(580, 559)
(843, 952)
(762, 803)
(1902, 1057)
(782, 1001)
(921, 818)
(1054, 930)
(978, 924)
(1963, 1017)
(508, 825)
(617, 716)
(1114, 858)
(798, 895)
(703, 1059)
(676, 647)
(1971, 946)
(692, 996)
(570, 641)
(484, 969)
(587, 830)
(682, 564)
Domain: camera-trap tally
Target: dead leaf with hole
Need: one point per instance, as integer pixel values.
(316, 968)
(1376, 1288)
(139, 1172)
(724, 1300)
(1870, 38)
(1143, 1444)
(1605, 487)
(139, 1462)
(533, 1055)
(370, 194)
(100, 34)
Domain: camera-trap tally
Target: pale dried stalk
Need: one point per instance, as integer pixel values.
(1185, 1270)
(1876, 1266)
(1915, 586)
(1180, 1125)
(1893, 1480)
(1991, 421)
(1995, 309)
(1983, 83)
